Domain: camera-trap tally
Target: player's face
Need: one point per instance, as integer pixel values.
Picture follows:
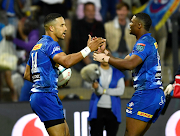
(60, 28)
(122, 13)
(89, 12)
(133, 25)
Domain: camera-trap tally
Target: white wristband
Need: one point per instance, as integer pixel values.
(85, 52)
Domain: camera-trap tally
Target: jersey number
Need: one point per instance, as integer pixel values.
(34, 62)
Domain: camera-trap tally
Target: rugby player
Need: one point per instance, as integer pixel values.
(42, 70)
(148, 100)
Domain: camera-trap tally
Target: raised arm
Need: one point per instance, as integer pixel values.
(71, 59)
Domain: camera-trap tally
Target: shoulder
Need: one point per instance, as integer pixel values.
(148, 39)
(47, 44)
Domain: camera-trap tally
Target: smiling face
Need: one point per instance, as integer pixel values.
(60, 28)
(134, 25)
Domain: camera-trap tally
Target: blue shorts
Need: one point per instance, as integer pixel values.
(146, 105)
(47, 106)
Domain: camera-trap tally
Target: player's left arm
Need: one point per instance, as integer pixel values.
(129, 63)
(140, 51)
(27, 73)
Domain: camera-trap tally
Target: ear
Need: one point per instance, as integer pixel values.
(139, 25)
(51, 28)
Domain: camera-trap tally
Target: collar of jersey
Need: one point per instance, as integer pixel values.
(48, 37)
(147, 34)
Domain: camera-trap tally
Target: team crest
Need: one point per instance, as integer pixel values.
(140, 46)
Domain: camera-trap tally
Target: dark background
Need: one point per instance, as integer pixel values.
(11, 112)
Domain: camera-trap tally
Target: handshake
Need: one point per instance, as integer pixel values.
(99, 46)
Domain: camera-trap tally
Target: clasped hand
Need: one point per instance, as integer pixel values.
(101, 57)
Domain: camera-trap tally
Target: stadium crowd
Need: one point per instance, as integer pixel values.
(102, 18)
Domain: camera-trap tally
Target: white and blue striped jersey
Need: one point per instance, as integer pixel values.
(44, 70)
(147, 75)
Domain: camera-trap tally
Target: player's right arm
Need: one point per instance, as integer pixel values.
(27, 73)
(71, 59)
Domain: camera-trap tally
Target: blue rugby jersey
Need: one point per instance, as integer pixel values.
(44, 70)
(148, 74)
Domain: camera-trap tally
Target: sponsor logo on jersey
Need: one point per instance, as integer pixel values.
(163, 100)
(156, 45)
(140, 46)
(129, 108)
(57, 48)
(36, 76)
(158, 74)
(128, 111)
(37, 46)
(131, 104)
(143, 114)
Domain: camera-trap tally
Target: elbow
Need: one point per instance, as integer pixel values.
(131, 66)
(25, 77)
(67, 64)
(122, 91)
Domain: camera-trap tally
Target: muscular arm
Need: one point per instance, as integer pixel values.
(68, 60)
(27, 73)
(129, 63)
(71, 59)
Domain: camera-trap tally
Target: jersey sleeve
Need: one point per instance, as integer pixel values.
(141, 49)
(53, 49)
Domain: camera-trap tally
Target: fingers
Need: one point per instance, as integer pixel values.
(97, 52)
(62, 86)
(100, 41)
(97, 57)
(94, 38)
(94, 56)
(89, 39)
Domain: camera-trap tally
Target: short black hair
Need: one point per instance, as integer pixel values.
(146, 19)
(50, 17)
(88, 3)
